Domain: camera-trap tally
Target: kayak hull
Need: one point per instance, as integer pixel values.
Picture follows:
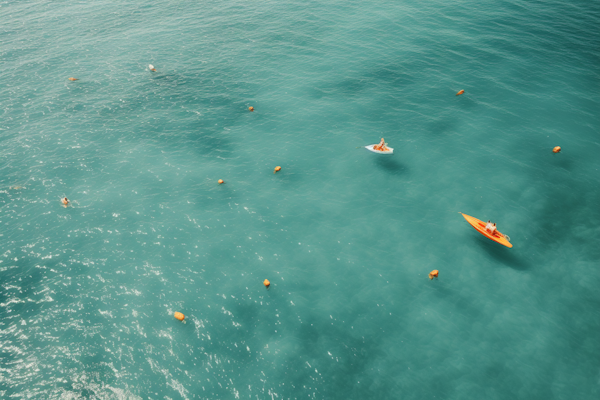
(370, 148)
(480, 227)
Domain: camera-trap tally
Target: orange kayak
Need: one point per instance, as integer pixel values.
(480, 227)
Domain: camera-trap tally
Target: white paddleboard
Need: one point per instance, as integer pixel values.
(370, 148)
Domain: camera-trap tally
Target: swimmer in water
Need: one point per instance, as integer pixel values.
(65, 202)
(381, 146)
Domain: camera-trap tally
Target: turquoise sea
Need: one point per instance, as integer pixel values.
(346, 237)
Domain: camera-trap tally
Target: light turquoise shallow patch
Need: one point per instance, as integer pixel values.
(346, 238)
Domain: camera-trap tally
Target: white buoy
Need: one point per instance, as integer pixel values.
(151, 67)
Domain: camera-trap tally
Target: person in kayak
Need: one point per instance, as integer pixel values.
(490, 227)
(381, 146)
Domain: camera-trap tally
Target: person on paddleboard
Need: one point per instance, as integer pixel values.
(381, 146)
(490, 227)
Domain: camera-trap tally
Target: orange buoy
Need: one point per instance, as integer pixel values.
(221, 181)
(73, 79)
(179, 316)
(267, 283)
(556, 149)
(251, 108)
(433, 274)
(277, 169)
(460, 92)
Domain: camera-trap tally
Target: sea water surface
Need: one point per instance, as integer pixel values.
(346, 237)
